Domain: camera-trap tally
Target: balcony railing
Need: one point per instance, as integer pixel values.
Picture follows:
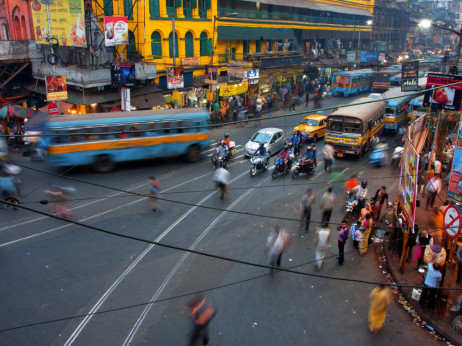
(296, 17)
(170, 10)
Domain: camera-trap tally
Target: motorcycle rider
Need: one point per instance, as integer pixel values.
(296, 140)
(285, 156)
(261, 152)
(310, 155)
(223, 149)
(226, 139)
(360, 193)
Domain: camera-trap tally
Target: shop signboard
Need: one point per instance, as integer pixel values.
(56, 88)
(253, 74)
(211, 74)
(407, 184)
(53, 109)
(123, 74)
(236, 89)
(382, 57)
(240, 63)
(410, 76)
(199, 92)
(455, 181)
(365, 56)
(115, 31)
(191, 61)
(443, 98)
(351, 57)
(67, 19)
(175, 78)
(281, 61)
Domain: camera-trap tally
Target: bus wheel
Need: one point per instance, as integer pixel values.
(103, 164)
(193, 154)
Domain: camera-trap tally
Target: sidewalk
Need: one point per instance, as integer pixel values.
(440, 319)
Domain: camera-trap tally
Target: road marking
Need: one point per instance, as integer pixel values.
(100, 302)
(148, 307)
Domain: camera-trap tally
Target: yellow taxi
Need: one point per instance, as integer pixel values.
(312, 127)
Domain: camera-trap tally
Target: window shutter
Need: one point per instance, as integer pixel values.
(128, 9)
(156, 46)
(154, 8)
(207, 4)
(178, 3)
(189, 45)
(193, 3)
(208, 48)
(108, 8)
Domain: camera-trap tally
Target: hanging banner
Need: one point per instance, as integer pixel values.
(235, 89)
(351, 57)
(191, 61)
(175, 77)
(455, 182)
(67, 23)
(123, 74)
(444, 98)
(407, 185)
(56, 88)
(410, 76)
(115, 31)
(211, 74)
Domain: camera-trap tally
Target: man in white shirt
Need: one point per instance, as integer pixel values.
(433, 188)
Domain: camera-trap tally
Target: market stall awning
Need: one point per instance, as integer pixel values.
(63, 107)
(148, 101)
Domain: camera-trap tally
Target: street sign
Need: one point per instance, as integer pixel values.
(53, 109)
(199, 92)
(452, 221)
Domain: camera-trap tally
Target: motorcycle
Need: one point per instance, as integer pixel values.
(232, 152)
(10, 183)
(302, 167)
(352, 208)
(379, 155)
(279, 167)
(221, 161)
(257, 164)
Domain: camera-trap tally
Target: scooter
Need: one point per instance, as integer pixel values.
(302, 167)
(257, 164)
(221, 161)
(379, 155)
(231, 153)
(352, 207)
(279, 167)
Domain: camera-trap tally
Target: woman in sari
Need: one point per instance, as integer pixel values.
(381, 298)
(366, 210)
(380, 196)
(367, 223)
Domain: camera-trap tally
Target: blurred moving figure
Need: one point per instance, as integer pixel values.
(202, 313)
(381, 298)
(277, 242)
(154, 187)
(321, 241)
(60, 196)
(10, 183)
(221, 178)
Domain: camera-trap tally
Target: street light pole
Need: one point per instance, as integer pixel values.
(175, 101)
(234, 14)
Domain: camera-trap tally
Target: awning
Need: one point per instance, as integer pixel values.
(316, 6)
(63, 107)
(87, 98)
(148, 101)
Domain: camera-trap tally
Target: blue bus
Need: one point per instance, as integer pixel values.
(396, 108)
(382, 79)
(352, 82)
(103, 139)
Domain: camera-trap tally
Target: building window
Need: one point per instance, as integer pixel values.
(188, 6)
(258, 46)
(5, 34)
(203, 5)
(154, 10)
(245, 48)
(170, 45)
(206, 45)
(108, 9)
(128, 9)
(131, 47)
(156, 45)
(189, 44)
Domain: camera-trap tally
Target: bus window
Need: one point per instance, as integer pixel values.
(90, 135)
(122, 133)
(134, 131)
(152, 130)
(165, 127)
(180, 124)
(389, 110)
(335, 124)
(352, 125)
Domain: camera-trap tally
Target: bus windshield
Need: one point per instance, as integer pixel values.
(352, 125)
(389, 111)
(342, 79)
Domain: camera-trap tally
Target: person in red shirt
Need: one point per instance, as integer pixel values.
(351, 184)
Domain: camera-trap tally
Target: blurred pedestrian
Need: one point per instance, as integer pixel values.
(343, 232)
(433, 187)
(277, 242)
(423, 239)
(380, 196)
(381, 298)
(430, 284)
(305, 208)
(293, 102)
(154, 187)
(328, 202)
(359, 229)
(364, 245)
(307, 98)
(235, 112)
(202, 313)
(269, 101)
(328, 152)
(258, 108)
(321, 241)
(221, 178)
(60, 196)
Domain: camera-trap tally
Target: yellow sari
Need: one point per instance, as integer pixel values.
(365, 242)
(380, 297)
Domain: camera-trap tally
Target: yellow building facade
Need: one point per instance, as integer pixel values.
(235, 28)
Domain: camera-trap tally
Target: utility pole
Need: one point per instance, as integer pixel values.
(175, 102)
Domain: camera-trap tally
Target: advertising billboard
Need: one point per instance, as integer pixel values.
(236, 89)
(407, 185)
(175, 78)
(123, 74)
(351, 57)
(455, 181)
(115, 31)
(67, 23)
(56, 88)
(410, 76)
(443, 98)
(191, 61)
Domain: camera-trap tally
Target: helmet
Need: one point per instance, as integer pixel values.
(308, 148)
(226, 135)
(222, 142)
(364, 183)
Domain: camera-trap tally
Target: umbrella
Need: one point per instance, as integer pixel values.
(37, 121)
(24, 113)
(3, 112)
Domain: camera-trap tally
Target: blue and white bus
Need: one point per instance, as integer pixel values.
(103, 139)
(352, 82)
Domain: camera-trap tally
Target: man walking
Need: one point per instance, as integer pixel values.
(342, 238)
(433, 187)
(202, 313)
(328, 202)
(328, 152)
(307, 98)
(305, 208)
(277, 242)
(321, 241)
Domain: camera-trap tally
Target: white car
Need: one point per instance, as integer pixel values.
(272, 137)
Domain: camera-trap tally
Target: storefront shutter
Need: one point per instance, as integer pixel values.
(154, 8)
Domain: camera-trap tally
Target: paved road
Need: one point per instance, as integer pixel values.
(52, 269)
